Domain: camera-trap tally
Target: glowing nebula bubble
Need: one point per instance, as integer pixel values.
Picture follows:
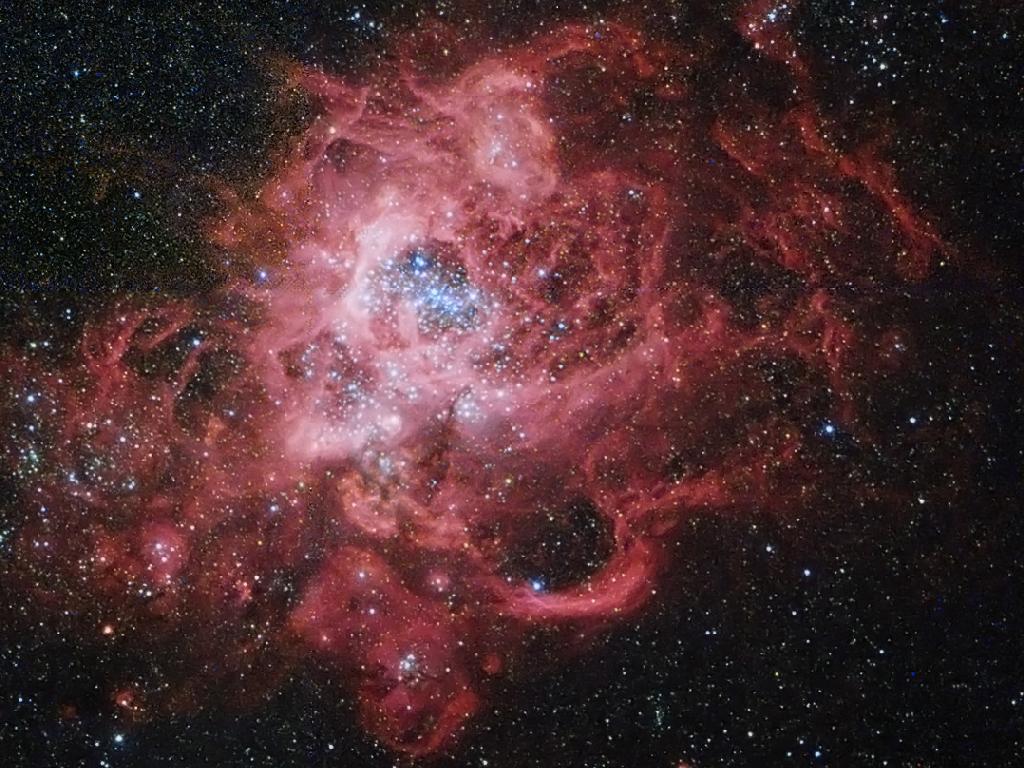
(515, 316)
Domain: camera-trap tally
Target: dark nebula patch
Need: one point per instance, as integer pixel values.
(562, 546)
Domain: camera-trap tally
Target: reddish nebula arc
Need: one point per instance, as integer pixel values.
(507, 327)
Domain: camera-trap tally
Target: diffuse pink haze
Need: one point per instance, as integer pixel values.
(487, 304)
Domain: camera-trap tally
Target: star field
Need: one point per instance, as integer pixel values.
(511, 384)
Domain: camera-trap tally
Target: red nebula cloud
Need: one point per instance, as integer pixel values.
(511, 325)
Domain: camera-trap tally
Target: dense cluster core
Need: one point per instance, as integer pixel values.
(512, 317)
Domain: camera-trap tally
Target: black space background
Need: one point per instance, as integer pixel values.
(903, 645)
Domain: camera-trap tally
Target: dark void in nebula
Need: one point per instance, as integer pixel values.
(511, 316)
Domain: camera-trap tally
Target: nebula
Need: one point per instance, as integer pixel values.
(508, 319)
